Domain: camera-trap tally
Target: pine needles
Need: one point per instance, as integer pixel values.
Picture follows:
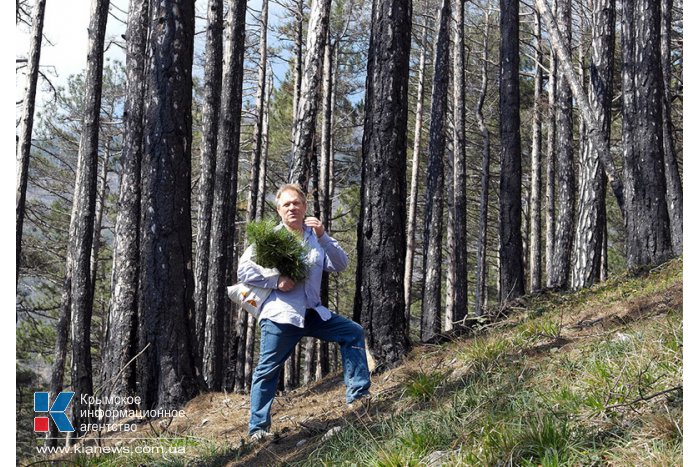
(278, 248)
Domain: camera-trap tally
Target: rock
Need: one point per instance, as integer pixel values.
(330, 433)
(301, 442)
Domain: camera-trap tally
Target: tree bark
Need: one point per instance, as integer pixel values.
(480, 292)
(646, 221)
(511, 249)
(674, 186)
(224, 207)
(121, 338)
(536, 168)
(550, 163)
(591, 200)
(167, 373)
(432, 221)
(379, 294)
(564, 234)
(594, 133)
(210, 129)
(102, 190)
(81, 235)
(307, 108)
(457, 259)
(325, 175)
(24, 144)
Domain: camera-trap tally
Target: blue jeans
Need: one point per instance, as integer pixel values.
(277, 342)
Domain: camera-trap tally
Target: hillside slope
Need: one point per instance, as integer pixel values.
(593, 377)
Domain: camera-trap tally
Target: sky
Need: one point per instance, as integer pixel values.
(68, 54)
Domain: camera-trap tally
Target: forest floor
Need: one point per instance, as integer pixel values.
(592, 377)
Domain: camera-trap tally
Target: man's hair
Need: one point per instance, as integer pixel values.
(290, 187)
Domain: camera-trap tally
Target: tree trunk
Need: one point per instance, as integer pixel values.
(221, 256)
(480, 292)
(167, 373)
(591, 200)
(262, 180)
(121, 338)
(536, 169)
(325, 175)
(594, 132)
(646, 221)
(674, 186)
(432, 226)
(24, 144)
(457, 259)
(564, 234)
(415, 163)
(99, 212)
(550, 188)
(305, 117)
(381, 244)
(252, 213)
(299, 57)
(81, 233)
(259, 105)
(210, 130)
(511, 250)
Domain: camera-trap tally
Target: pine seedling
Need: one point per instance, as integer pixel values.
(278, 248)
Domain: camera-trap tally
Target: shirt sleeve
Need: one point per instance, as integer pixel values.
(251, 273)
(336, 259)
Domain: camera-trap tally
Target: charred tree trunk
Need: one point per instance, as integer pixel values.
(259, 105)
(307, 108)
(82, 228)
(121, 338)
(167, 373)
(564, 232)
(223, 208)
(325, 176)
(102, 190)
(210, 130)
(480, 292)
(591, 200)
(381, 244)
(457, 262)
(674, 186)
(432, 221)
(24, 144)
(511, 250)
(646, 221)
(252, 213)
(536, 168)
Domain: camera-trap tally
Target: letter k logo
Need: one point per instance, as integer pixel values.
(57, 411)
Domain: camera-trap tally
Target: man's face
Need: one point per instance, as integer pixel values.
(291, 208)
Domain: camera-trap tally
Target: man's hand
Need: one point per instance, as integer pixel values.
(315, 224)
(285, 284)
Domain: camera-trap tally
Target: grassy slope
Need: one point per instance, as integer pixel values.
(563, 380)
(570, 379)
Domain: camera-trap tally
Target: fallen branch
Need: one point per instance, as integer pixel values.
(646, 398)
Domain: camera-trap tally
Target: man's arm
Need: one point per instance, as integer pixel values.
(253, 274)
(336, 259)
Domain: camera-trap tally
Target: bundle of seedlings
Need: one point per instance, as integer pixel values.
(276, 247)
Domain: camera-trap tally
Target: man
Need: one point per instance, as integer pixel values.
(294, 310)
